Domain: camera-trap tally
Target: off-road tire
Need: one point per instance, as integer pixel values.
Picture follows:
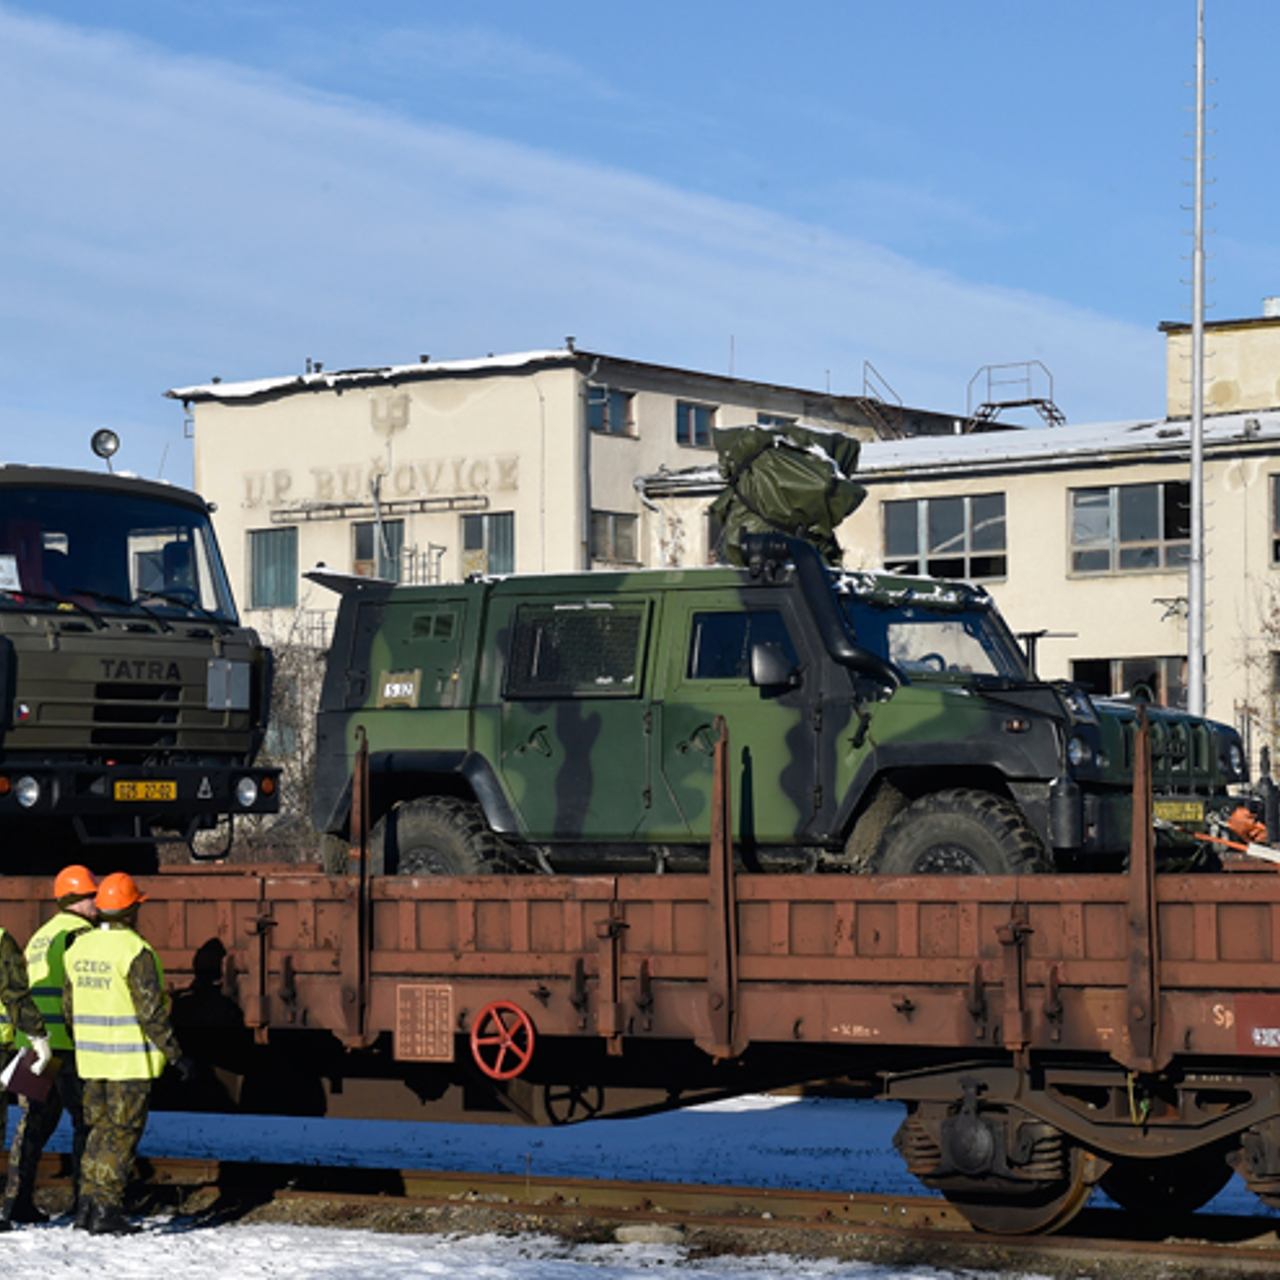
(434, 836)
(961, 832)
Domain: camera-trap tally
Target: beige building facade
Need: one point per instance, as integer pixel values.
(428, 472)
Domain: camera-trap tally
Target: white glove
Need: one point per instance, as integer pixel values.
(40, 1047)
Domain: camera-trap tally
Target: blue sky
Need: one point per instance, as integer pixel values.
(198, 189)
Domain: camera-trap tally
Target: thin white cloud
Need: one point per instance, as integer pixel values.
(170, 218)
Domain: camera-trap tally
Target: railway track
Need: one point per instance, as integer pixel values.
(919, 1230)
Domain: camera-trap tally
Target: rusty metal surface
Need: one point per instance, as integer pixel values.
(1026, 963)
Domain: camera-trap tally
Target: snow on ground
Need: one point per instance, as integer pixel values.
(304, 1253)
(819, 1143)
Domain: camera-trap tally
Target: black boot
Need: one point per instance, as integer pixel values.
(109, 1220)
(85, 1209)
(23, 1209)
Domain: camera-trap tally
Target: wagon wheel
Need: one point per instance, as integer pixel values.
(568, 1103)
(1048, 1208)
(502, 1040)
(1174, 1186)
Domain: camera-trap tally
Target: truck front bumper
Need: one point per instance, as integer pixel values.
(167, 795)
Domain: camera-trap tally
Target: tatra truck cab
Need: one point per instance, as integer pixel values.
(132, 701)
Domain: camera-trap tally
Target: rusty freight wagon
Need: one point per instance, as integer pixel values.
(1045, 1033)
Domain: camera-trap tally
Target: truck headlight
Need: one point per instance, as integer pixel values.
(1235, 758)
(1079, 752)
(26, 791)
(246, 793)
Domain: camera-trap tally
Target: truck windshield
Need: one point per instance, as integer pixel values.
(961, 644)
(105, 552)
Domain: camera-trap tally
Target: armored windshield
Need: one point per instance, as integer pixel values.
(954, 640)
(105, 551)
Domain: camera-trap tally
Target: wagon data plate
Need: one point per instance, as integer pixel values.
(1180, 810)
(151, 789)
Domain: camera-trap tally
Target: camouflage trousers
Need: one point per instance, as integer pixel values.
(6, 1055)
(115, 1112)
(39, 1120)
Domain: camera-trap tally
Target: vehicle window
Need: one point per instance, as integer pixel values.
(955, 643)
(108, 550)
(580, 650)
(720, 643)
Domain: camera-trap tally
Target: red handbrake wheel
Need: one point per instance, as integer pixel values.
(502, 1040)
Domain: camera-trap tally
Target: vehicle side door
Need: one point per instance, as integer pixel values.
(707, 670)
(574, 730)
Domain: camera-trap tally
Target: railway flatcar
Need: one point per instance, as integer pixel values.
(1045, 1034)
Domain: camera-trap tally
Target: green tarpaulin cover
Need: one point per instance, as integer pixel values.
(789, 479)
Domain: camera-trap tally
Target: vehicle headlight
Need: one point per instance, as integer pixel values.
(1079, 752)
(1235, 758)
(246, 793)
(27, 791)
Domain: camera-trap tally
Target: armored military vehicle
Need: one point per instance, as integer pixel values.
(877, 723)
(132, 703)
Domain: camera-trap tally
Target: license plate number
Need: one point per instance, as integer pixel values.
(144, 791)
(1180, 810)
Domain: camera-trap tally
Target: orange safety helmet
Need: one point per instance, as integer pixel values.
(117, 893)
(74, 882)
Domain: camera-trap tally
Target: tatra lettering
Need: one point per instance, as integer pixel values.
(140, 669)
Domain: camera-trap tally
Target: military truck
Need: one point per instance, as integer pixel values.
(132, 703)
(877, 723)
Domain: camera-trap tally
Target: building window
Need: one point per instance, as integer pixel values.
(1164, 679)
(694, 423)
(1131, 528)
(489, 543)
(1275, 519)
(946, 537)
(610, 412)
(374, 555)
(273, 568)
(774, 420)
(613, 537)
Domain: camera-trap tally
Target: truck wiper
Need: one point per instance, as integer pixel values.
(191, 606)
(123, 603)
(59, 600)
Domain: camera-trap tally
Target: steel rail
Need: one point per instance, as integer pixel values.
(1113, 1242)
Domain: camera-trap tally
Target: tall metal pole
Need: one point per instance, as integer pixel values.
(1195, 570)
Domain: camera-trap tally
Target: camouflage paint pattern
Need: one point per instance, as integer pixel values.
(576, 710)
(115, 1112)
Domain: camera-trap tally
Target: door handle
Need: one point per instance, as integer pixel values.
(701, 739)
(537, 741)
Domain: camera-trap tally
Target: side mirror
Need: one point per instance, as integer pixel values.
(771, 668)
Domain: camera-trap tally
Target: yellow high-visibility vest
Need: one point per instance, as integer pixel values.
(45, 958)
(109, 1040)
(6, 1027)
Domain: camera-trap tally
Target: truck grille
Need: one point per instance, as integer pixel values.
(136, 715)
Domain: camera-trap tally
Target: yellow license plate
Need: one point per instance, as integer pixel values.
(1180, 810)
(144, 791)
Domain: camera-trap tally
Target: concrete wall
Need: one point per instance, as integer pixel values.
(1241, 367)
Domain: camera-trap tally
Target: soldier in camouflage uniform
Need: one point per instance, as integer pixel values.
(73, 889)
(18, 1011)
(117, 1011)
